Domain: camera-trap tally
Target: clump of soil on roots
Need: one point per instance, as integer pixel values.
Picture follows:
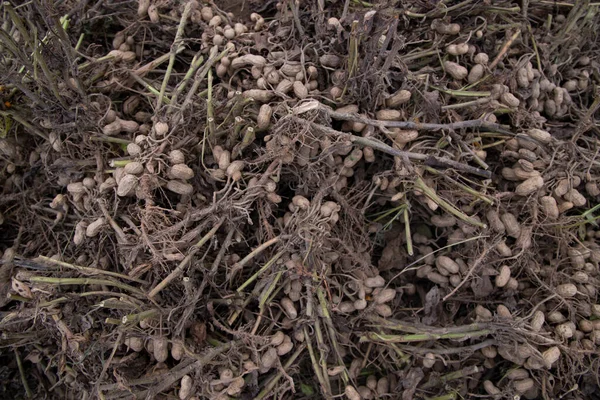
(293, 199)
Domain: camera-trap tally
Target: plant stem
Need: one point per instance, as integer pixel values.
(239, 265)
(420, 184)
(504, 49)
(22, 373)
(210, 113)
(330, 329)
(194, 65)
(260, 271)
(89, 270)
(150, 88)
(420, 337)
(174, 50)
(435, 381)
(409, 246)
(313, 360)
(84, 281)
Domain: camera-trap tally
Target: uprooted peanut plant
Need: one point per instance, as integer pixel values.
(299, 199)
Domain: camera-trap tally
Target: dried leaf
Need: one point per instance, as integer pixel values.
(21, 289)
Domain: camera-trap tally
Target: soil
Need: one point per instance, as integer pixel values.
(294, 199)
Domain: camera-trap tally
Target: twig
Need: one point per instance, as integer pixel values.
(174, 50)
(121, 238)
(504, 49)
(177, 271)
(374, 143)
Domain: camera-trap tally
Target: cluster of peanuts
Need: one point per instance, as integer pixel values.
(225, 166)
(373, 388)
(531, 158)
(548, 94)
(125, 52)
(364, 291)
(554, 98)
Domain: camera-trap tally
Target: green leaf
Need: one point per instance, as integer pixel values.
(307, 390)
(7, 125)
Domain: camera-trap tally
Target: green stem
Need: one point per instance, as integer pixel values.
(420, 184)
(194, 65)
(260, 271)
(22, 373)
(264, 296)
(149, 87)
(466, 188)
(322, 346)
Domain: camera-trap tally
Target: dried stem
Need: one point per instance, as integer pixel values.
(377, 145)
(85, 281)
(239, 265)
(177, 43)
(504, 49)
(90, 270)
